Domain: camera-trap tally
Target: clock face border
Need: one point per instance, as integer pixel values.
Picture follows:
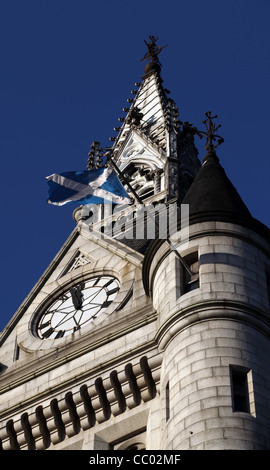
(28, 341)
(76, 306)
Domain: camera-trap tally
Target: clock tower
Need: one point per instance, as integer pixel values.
(145, 339)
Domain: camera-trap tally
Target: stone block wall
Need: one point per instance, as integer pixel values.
(197, 366)
(222, 324)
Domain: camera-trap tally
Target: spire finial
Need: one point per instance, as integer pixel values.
(210, 133)
(153, 50)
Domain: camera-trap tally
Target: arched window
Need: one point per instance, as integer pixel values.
(135, 442)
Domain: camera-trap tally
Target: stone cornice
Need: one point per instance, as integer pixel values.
(85, 405)
(24, 372)
(211, 310)
(66, 385)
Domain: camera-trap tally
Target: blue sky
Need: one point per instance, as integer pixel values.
(67, 69)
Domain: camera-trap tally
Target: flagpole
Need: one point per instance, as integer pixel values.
(122, 176)
(167, 241)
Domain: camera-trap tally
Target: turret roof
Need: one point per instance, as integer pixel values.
(213, 193)
(212, 197)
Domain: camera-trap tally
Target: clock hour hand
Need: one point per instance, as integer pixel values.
(77, 296)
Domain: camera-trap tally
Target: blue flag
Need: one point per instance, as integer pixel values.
(96, 186)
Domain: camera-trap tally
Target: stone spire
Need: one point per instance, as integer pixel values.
(151, 148)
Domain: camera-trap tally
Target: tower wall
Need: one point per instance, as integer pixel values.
(207, 334)
(197, 368)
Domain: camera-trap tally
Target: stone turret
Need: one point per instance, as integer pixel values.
(214, 326)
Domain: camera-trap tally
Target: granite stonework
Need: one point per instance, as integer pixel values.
(180, 359)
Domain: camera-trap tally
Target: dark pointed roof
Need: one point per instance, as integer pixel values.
(213, 193)
(213, 197)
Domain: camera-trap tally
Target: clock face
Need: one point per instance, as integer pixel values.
(77, 307)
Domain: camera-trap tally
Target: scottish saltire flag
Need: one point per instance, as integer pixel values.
(96, 186)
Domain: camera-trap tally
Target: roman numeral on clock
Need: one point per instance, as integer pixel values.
(110, 292)
(48, 333)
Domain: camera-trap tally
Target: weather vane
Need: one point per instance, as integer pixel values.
(153, 50)
(210, 133)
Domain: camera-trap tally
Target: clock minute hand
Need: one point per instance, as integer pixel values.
(77, 296)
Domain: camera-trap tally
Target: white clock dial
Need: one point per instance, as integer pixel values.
(77, 307)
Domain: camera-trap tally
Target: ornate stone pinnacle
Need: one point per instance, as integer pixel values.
(153, 50)
(95, 157)
(210, 133)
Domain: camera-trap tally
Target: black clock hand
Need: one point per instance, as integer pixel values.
(77, 296)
